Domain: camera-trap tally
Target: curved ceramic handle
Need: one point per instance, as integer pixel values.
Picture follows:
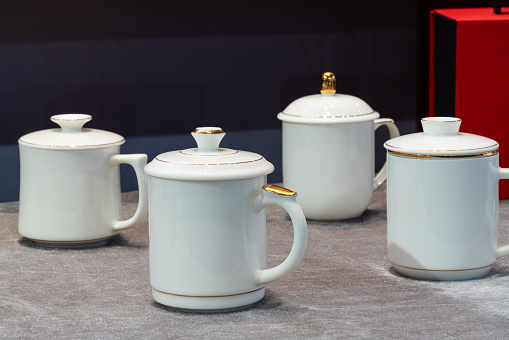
(273, 194)
(138, 162)
(504, 250)
(381, 176)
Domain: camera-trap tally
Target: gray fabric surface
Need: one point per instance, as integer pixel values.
(344, 288)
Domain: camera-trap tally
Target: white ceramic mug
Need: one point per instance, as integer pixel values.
(208, 228)
(70, 184)
(442, 202)
(328, 153)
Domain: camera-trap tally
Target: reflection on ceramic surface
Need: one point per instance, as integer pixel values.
(70, 186)
(442, 208)
(208, 240)
(328, 153)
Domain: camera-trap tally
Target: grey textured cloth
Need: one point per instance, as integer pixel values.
(344, 288)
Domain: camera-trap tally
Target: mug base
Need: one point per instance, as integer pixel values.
(442, 275)
(209, 304)
(72, 244)
(339, 219)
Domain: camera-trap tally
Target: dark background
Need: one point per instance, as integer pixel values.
(158, 67)
(152, 71)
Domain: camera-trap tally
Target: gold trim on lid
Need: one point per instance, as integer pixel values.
(70, 147)
(212, 155)
(251, 161)
(442, 119)
(362, 114)
(69, 119)
(276, 189)
(209, 131)
(409, 155)
(328, 83)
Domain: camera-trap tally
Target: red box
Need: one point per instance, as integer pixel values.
(469, 73)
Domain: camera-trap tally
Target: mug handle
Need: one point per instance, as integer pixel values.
(138, 162)
(381, 176)
(274, 194)
(503, 250)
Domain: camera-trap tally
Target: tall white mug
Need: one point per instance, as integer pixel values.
(208, 226)
(328, 152)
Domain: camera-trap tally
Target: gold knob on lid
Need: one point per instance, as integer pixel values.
(209, 130)
(328, 83)
(208, 138)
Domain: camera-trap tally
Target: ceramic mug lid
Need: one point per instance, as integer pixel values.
(71, 135)
(208, 162)
(441, 138)
(328, 107)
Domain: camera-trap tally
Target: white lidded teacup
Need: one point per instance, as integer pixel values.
(328, 152)
(208, 228)
(442, 202)
(70, 184)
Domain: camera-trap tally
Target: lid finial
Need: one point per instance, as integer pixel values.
(441, 125)
(71, 122)
(328, 83)
(208, 138)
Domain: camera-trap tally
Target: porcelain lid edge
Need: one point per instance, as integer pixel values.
(328, 120)
(208, 161)
(441, 138)
(49, 139)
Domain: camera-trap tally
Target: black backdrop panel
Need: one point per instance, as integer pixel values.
(161, 67)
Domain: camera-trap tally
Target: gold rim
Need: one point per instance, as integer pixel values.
(209, 132)
(69, 119)
(160, 160)
(208, 296)
(68, 146)
(485, 147)
(276, 189)
(402, 154)
(364, 114)
(441, 270)
(221, 154)
(452, 120)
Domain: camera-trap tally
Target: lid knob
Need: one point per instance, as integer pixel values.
(208, 138)
(328, 83)
(441, 125)
(71, 122)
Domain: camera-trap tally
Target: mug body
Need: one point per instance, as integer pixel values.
(330, 166)
(207, 242)
(442, 216)
(68, 198)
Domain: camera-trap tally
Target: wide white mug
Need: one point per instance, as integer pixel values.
(208, 227)
(70, 184)
(442, 203)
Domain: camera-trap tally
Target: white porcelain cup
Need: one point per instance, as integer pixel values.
(208, 227)
(70, 184)
(442, 203)
(328, 152)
